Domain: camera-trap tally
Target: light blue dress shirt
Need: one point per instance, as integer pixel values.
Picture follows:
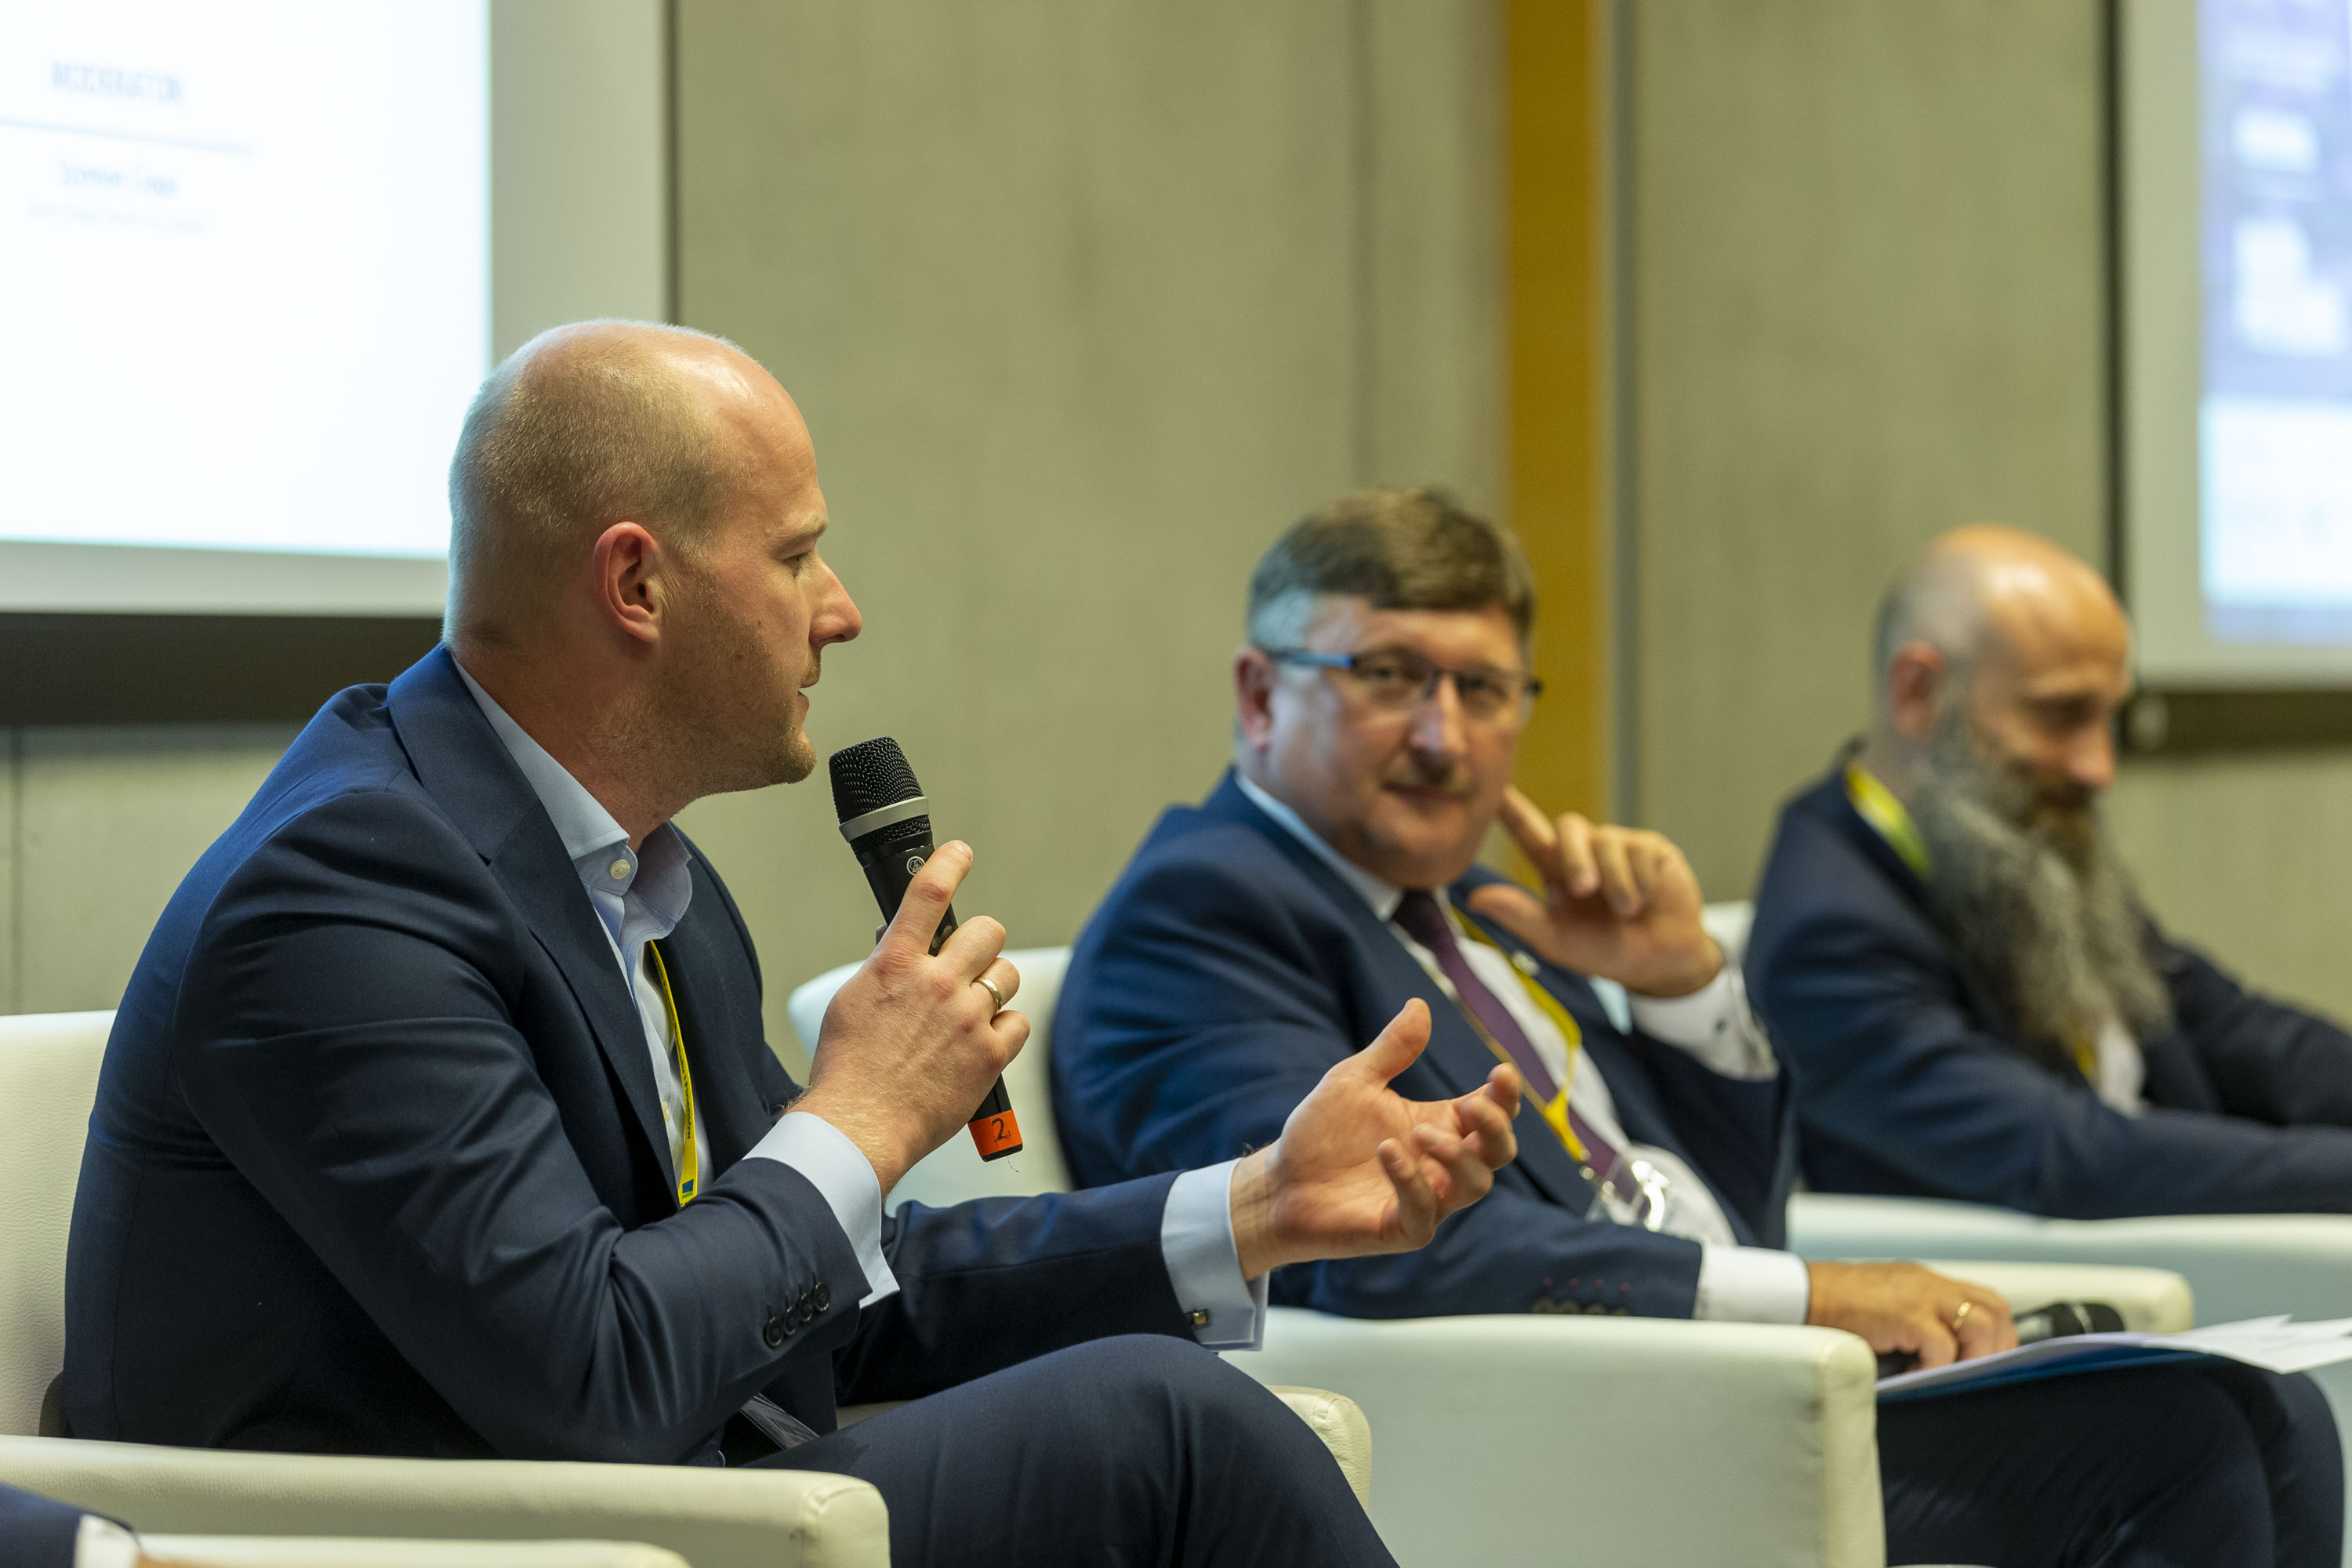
(640, 894)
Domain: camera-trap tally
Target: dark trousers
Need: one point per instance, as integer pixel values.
(1137, 1450)
(2203, 1464)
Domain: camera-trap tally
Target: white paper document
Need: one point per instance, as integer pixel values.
(2274, 1344)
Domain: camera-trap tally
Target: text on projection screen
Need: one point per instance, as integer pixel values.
(243, 269)
(2275, 414)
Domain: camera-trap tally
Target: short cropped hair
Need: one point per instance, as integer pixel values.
(581, 427)
(1400, 549)
(1939, 600)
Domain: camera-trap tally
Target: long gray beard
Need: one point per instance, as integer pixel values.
(2031, 895)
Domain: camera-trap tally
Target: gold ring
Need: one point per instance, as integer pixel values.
(1961, 1316)
(998, 998)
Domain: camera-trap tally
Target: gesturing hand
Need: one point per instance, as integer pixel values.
(1903, 1307)
(1619, 903)
(911, 1042)
(1359, 1169)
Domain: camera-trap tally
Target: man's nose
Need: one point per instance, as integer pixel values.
(836, 619)
(2091, 761)
(1437, 730)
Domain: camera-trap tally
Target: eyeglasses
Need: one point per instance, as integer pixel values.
(1397, 681)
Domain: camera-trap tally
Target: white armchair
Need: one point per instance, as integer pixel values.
(1480, 1418)
(583, 1515)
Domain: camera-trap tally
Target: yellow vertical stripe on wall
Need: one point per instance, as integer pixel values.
(1556, 84)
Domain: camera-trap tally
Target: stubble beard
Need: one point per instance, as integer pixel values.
(727, 724)
(2031, 893)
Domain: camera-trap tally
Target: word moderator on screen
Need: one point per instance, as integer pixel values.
(243, 269)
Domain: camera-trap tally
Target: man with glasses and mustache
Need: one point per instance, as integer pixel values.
(1330, 878)
(1949, 951)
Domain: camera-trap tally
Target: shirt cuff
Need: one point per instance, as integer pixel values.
(1752, 1285)
(1714, 1023)
(103, 1544)
(1204, 1263)
(841, 1173)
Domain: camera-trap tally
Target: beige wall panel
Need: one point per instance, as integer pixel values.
(1065, 291)
(109, 819)
(2246, 857)
(1868, 307)
(1432, 139)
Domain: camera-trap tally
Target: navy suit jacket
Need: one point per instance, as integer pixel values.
(1911, 1078)
(377, 1162)
(1230, 968)
(36, 1533)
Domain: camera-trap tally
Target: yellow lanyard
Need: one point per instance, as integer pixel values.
(1877, 806)
(1555, 1112)
(689, 1168)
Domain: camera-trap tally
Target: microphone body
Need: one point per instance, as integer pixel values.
(887, 822)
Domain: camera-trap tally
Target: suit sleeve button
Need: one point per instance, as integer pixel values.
(775, 1330)
(823, 1297)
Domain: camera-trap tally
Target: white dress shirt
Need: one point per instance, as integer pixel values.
(2122, 1070)
(640, 896)
(1714, 1023)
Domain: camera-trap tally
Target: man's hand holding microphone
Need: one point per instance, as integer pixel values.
(914, 1040)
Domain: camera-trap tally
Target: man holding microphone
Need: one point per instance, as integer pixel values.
(437, 1120)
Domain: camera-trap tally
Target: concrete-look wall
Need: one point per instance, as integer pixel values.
(1083, 304)
(97, 825)
(1867, 307)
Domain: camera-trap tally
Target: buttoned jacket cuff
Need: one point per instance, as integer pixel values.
(1752, 1285)
(841, 1173)
(1712, 1022)
(1204, 1262)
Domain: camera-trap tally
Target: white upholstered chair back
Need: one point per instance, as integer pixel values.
(1728, 922)
(48, 1080)
(955, 1172)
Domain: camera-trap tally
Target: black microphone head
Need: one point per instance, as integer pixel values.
(868, 776)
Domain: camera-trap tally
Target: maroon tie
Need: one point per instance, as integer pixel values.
(1422, 917)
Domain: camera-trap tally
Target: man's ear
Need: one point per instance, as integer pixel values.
(1917, 680)
(627, 570)
(1253, 677)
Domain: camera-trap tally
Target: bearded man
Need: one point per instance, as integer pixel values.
(1954, 960)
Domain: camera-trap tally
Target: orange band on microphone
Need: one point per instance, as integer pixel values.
(996, 1135)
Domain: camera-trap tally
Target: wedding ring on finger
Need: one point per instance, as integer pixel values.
(998, 998)
(1961, 1316)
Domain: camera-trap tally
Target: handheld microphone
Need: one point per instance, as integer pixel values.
(887, 822)
(2061, 1320)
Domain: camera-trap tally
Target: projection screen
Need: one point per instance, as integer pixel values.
(2236, 319)
(256, 255)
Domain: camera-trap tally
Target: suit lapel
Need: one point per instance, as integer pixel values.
(459, 759)
(1456, 1053)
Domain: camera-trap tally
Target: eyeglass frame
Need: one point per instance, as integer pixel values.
(1530, 686)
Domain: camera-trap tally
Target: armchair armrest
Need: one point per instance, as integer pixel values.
(2152, 1301)
(2239, 1265)
(367, 1552)
(713, 1518)
(1339, 1421)
(1537, 1439)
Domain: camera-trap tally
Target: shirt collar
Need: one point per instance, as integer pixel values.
(1381, 896)
(597, 845)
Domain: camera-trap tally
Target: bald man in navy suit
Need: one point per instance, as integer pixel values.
(437, 1119)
